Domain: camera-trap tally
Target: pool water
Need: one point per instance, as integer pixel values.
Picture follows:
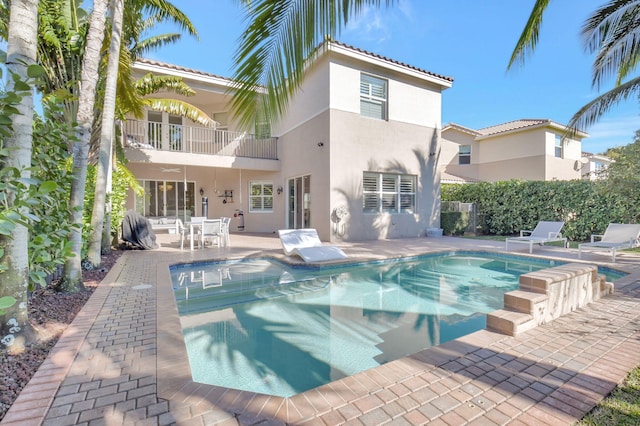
(262, 326)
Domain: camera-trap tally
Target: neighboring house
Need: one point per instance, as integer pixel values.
(355, 157)
(594, 166)
(527, 149)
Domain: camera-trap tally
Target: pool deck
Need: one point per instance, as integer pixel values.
(122, 360)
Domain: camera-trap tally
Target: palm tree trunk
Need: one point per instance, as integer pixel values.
(106, 137)
(15, 331)
(72, 280)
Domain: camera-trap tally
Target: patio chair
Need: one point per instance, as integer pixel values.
(617, 236)
(306, 244)
(226, 223)
(544, 232)
(211, 229)
(181, 231)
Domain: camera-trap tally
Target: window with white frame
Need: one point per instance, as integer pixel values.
(373, 97)
(222, 120)
(389, 193)
(464, 154)
(260, 196)
(559, 147)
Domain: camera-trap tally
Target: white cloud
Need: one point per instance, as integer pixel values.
(406, 9)
(369, 25)
(376, 23)
(610, 132)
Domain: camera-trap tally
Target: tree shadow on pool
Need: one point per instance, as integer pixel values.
(267, 356)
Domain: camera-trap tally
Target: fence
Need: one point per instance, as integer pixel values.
(469, 210)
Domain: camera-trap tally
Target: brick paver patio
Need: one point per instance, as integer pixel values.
(122, 360)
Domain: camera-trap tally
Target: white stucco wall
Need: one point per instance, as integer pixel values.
(448, 160)
(324, 136)
(361, 144)
(330, 114)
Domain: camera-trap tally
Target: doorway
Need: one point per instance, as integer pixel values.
(299, 203)
(166, 198)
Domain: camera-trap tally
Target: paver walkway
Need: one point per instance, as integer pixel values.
(120, 361)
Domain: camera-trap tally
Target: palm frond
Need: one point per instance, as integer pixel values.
(153, 84)
(184, 109)
(163, 10)
(613, 33)
(529, 38)
(591, 112)
(281, 36)
(153, 43)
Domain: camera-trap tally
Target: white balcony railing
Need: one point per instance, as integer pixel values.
(197, 140)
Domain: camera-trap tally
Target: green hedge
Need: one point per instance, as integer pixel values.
(454, 223)
(504, 208)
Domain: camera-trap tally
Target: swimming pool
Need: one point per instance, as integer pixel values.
(264, 326)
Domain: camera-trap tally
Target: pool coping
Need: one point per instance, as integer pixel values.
(175, 382)
(551, 375)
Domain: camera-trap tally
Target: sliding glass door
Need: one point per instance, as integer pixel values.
(299, 202)
(167, 198)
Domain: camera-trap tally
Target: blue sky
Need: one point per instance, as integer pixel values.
(469, 40)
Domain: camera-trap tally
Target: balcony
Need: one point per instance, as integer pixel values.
(197, 140)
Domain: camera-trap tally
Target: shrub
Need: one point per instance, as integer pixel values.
(454, 223)
(586, 207)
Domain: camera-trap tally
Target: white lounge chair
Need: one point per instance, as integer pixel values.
(306, 244)
(617, 236)
(544, 232)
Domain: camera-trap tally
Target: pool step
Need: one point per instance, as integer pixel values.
(546, 295)
(198, 299)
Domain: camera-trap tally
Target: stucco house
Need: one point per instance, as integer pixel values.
(355, 157)
(530, 149)
(594, 166)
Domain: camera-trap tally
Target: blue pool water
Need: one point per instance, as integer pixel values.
(263, 326)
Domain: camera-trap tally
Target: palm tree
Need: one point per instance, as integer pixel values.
(21, 54)
(62, 35)
(529, 38)
(612, 32)
(106, 136)
(281, 36)
(72, 279)
(119, 74)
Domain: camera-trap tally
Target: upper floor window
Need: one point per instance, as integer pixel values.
(262, 128)
(222, 120)
(260, 196)
(384, 192)
(373, 97)
(559, 148)
(464, 154)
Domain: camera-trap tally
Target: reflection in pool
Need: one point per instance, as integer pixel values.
(263, 326)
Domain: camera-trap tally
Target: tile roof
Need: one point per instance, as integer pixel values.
(384, 58)
(513, 125)
(461, 129)
(346, 46)
(179, 68)
(446, 177)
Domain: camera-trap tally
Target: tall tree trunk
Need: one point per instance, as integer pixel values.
(106, 137)
(72, 280)
(15, 331)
